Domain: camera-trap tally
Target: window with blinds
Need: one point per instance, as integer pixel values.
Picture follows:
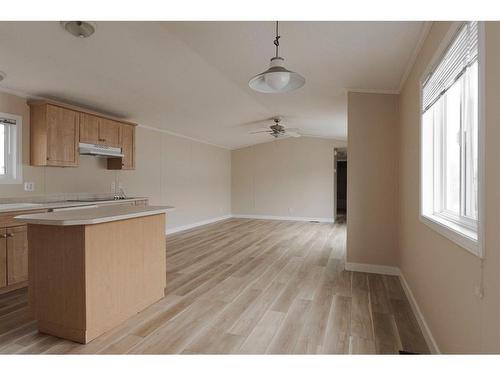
(449, 149)
(460, 56)
(10, 149)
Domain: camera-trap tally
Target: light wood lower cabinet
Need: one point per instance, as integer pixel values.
(87, 279)
(17, 255)
(13, 256)
(3, 258)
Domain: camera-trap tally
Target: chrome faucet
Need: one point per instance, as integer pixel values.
(120, 195)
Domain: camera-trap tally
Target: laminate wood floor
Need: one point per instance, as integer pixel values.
(248, 286)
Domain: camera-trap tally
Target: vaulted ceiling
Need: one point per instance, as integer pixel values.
(191, 78)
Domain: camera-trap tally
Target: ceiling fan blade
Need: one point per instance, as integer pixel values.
(260, 131)
(267, 120)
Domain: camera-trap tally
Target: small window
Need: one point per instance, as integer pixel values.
(10, 149)
(450, 133)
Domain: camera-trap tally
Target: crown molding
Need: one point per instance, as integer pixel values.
(373, 91)
(413, 58)
(182, 136)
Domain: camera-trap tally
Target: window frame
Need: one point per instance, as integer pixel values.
(463, 233)
(18, 178)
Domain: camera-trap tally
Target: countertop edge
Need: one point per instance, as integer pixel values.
(29, 219)
(49, 205)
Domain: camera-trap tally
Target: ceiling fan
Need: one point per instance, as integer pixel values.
(279, 131)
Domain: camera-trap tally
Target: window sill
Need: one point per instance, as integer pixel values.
(460, 235)
(10, 181)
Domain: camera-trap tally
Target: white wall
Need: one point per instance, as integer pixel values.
(291, 177)
(192, 176)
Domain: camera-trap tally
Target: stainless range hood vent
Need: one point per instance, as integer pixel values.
(100, 150)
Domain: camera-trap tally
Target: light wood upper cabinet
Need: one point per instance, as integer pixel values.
(62, 136)
(17, 255)
(128, 146)
(127, 137)
(109, 132)
(3, 258)
(89, 128)
(99, 130)
(56, 129)
(54, 136)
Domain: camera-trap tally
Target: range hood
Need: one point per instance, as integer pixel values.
(100, 150)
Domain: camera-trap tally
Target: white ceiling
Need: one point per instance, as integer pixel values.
(191, 78)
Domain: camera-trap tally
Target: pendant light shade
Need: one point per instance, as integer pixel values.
(277, 78)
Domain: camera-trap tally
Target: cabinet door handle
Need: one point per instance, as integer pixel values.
(3, 236)
(10, 235)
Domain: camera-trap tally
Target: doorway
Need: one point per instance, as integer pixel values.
(340, 185)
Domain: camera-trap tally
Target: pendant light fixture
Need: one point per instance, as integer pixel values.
(277, 78)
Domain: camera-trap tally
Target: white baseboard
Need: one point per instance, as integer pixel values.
(197, 224)
(265, 217)
(372, 268)
(290, 218)
(429, 338)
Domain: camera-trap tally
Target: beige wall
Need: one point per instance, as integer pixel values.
(442, 275)
(372, 179)
(287, 177)
(192, 176)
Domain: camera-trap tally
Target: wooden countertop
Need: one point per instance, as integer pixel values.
(95, 215)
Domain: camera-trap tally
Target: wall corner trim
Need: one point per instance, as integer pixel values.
(424, 327)
(372, 268)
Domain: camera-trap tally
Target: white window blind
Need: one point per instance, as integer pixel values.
(459, 56)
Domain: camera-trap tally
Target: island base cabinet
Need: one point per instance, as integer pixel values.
(87, 279)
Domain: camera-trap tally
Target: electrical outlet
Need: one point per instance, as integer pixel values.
(113, 187)
(29, 186)
(290, 210)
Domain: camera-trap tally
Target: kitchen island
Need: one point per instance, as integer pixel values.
(92, 268)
